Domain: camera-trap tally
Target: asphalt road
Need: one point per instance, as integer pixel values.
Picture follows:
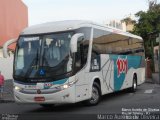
(147, 97)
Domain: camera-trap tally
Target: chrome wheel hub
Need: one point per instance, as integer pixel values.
(95, 95)
(134, 85)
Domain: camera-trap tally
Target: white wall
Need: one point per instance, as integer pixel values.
(1, 53)
(6, 67)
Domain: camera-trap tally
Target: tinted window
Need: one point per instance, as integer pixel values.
(105, 42)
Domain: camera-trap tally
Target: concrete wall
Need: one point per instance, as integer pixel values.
(6, 67)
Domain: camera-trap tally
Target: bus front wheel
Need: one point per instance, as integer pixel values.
(96, 95)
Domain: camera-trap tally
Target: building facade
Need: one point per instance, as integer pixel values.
(117, 24)
(13, 19)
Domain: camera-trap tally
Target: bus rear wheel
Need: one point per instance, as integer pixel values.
(96, 95)
(134, 84)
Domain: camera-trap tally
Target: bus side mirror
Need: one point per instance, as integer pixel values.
(5, 46)
(74, 41)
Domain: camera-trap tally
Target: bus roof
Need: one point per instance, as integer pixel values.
(54, 27)
(66, 25)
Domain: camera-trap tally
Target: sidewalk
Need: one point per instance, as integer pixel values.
(155, 78)
(8, 92)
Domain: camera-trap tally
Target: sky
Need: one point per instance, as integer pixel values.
(100, 11)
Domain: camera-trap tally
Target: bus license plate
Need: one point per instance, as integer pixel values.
(39, 99)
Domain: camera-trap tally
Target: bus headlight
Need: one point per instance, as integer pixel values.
(70, 84)
(17, 88)
(65, 86)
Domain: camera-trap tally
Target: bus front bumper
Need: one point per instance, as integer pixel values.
(63, 96)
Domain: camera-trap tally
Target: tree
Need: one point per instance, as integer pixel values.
(151, 3)
(147, 25)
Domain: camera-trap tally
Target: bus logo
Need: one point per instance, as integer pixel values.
(47, 85)
(122, 65)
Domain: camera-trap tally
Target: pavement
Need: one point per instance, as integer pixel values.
(145, 102)
(8, 88)
(8, 92)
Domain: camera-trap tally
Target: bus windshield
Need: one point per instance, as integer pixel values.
(43, 55)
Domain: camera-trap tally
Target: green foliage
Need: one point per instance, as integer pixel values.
(148, 22)
(147, 26)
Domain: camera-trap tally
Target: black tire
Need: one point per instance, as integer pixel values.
(96, 95)
(47, 105)
(134, 84)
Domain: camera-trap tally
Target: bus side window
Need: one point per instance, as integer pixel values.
(78, 55)
(82, 53)
(95, 61)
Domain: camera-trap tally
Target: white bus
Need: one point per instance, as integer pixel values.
(73, 61)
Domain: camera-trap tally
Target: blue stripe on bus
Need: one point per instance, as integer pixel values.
(60, 81)
(128, 62)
